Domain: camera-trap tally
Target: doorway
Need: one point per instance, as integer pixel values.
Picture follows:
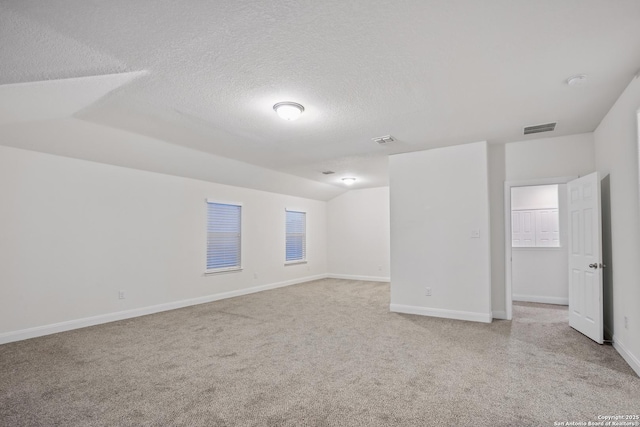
(536, 242)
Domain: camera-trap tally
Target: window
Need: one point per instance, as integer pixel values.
(223, 236)
(296, 245)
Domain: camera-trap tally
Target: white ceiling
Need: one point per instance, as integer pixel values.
(56, 99)
(431, 73)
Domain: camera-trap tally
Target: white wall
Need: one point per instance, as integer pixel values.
(73, 233)
(616, 148)
(532, 159)
(534, 197)
(497, 176)
(550, 157)
(540, 274)
(358, 235)
(438, 197)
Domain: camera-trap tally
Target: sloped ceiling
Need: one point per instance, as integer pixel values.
(430, 73)
(56, 99)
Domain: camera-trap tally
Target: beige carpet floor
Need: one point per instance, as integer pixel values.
(324, 353)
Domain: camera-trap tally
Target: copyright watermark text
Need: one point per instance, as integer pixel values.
(604, 420)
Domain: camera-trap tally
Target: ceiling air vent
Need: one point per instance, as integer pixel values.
(546, 127)
(327, 172)
(383, 140)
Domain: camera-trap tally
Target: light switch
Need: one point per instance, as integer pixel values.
(475, 233)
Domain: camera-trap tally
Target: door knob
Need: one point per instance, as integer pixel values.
(594, 265)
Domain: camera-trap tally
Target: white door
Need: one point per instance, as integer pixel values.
(585, 257)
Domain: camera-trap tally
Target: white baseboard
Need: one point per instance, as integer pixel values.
(539, 299)
(499, 315)
(54, 328)
(365, 278)
(438, 312)
(631, 359)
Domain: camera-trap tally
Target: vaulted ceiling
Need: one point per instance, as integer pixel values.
(204, 76)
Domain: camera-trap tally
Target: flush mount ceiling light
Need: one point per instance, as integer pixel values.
(382, 140)
(348, 180)
(577, 80)
(288, 110)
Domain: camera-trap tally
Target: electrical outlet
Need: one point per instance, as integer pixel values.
(427, 292)
(255, 275)
(120, 294)
(626, 322)
(379, 268)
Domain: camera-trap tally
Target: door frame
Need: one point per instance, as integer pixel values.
(507, 229)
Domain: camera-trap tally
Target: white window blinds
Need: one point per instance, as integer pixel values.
(296, 241)
(223, 236)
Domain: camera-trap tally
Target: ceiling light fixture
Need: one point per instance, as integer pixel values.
(288, 110)
(348, 180)
(382, 140)
(577, 80)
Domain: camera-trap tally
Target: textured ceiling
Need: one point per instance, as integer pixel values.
(56, 99)
(431, 73)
